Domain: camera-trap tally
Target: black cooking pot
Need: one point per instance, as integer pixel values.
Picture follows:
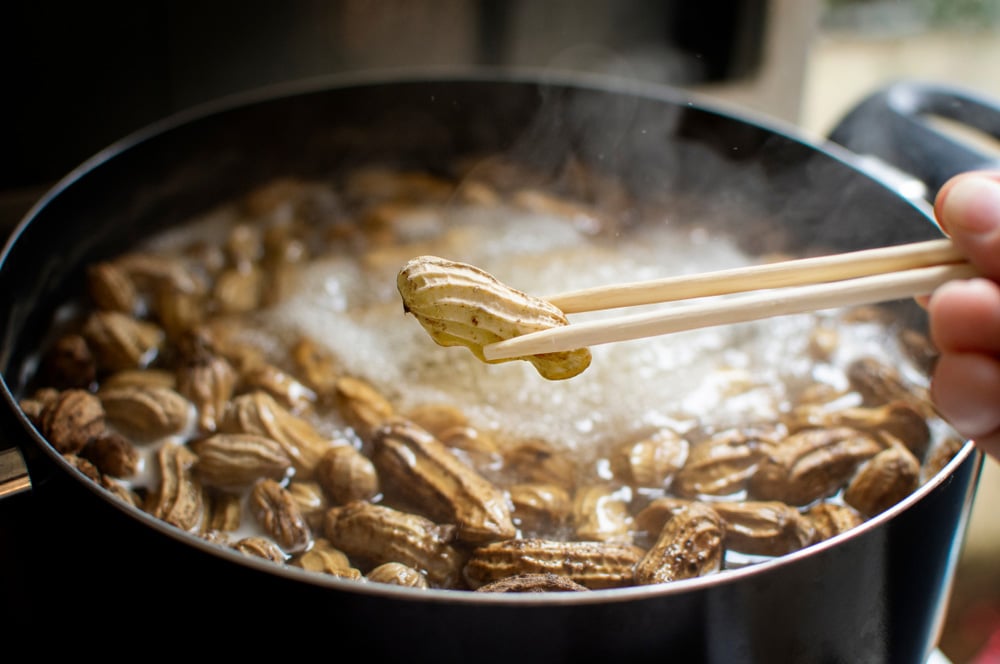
(78, 558)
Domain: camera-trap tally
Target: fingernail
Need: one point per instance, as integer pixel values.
(973, 205)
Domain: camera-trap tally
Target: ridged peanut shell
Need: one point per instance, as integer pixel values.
(884, 480)
(811, 464)
(420, 469)
(765, 528)
(593, 565)
(690, 545)
(380, 534)
(462, 305)
(235, 461)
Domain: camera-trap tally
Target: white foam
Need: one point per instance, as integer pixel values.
(719, 376)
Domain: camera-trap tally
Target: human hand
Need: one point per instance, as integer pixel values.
(965, 314)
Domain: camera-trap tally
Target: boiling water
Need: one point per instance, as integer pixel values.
(710, 378)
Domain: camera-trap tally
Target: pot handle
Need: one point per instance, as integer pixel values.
(899, 125)
(16, 461)
(14, 477)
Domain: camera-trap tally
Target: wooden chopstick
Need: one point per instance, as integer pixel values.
(771, 275)
(828, 294)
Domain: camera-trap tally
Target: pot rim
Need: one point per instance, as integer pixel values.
(527, 76)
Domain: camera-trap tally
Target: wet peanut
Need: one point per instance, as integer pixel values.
(235, 461)
(539, 506)
(829, 519)
(721, 465)
(689, 545)
(380, 534)
(652, 461)
(601, 513)
(278, 514)
(397, 574)
(461, 305)
(593, 565)
(811, 464)
(346, 475)
(327, 559)
(532, 583)
(883, 481)
(767, 528)
(426, 473)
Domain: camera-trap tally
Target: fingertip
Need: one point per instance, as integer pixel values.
(964, 315)
(950, 209)
(965, 388)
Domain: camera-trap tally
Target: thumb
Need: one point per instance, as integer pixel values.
(968, 209)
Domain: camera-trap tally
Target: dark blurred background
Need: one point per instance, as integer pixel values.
(82, 75)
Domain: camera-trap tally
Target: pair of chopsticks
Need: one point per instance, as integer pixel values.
(787, 287)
